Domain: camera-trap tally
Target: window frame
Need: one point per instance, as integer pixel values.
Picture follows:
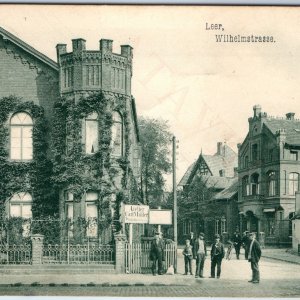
(21, 138)
(119, 122)
(292, 181)
(92, 117)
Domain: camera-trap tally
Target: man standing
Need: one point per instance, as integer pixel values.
(254, 257)
(237, 241)
(192, 239)
(245, 242)
(157, 254)
(217, 254)
(199, 251)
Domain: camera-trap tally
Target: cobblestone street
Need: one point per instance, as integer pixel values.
(278, 279)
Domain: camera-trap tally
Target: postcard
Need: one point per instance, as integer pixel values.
(149, 150)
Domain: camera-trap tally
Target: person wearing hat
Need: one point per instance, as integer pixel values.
(237, 241)
(199, 253)
(254, 257)
(157, 254)
(217, 254)
(245, 243)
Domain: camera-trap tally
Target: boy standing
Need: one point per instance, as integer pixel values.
(188, 257)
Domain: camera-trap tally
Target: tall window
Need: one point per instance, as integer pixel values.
(91, 214)
(20, 205)
(272, 183)
(270, 217)
(21, 136)
(117, 134)
(254, 184)
(293, 183)
(246, 160)
(254, 152)
(91, 133)
(245, 186)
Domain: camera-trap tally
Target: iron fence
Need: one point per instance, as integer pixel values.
(78, 254)
(15, 254)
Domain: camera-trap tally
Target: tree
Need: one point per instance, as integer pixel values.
(155, 139)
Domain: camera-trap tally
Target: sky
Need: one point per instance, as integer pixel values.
(204, 89)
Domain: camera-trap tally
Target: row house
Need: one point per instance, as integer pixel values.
(269, 169)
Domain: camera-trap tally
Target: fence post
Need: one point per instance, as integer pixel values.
(120, 240)
(37, 248)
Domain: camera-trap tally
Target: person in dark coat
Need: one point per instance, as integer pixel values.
(188, 257)
(217, 255)
(192, 239)
(254, 257)
(157, 254)
(237, 241)
(199, 252)
(245, 243)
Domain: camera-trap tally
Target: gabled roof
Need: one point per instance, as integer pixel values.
(218, 182)
(218, 162)
(215, 163)
(7, 35)
(187, 174)
(228, 192)
(291, 127)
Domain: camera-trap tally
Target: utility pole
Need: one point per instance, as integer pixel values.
(174, 189)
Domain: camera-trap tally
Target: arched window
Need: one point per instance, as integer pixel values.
(117, 134)
(21, 136)
(20, 205)
(254, 184)
(91, 133)
(293, 183)
(245, 186)
(272, 183)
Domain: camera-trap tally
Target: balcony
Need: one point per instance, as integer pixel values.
(257, 197)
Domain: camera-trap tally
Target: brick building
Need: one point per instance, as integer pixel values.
(209, 183)
(269, 170)
(69, 134)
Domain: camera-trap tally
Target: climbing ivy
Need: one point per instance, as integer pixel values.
(29, 176)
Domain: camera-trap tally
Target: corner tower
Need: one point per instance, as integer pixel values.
(83, 71)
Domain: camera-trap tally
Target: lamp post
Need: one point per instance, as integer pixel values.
(174, 188)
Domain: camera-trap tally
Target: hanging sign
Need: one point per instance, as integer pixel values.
(160, 216)
(136, 214)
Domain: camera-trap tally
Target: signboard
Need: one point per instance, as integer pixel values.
(160, 216)
(136, 214)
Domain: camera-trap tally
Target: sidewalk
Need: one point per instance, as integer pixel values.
(281, 254)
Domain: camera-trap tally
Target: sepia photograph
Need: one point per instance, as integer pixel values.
(149, 151)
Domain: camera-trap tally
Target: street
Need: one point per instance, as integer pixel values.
(278, 279)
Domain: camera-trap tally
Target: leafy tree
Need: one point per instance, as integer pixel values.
(155, 139)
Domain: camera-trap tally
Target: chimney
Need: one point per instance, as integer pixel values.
(235, 171)
(60, 49)
(126, 51)
(222, 173)
(78, 45)
(106, 45)
(290, 116)
(220, 148)
(256, 110)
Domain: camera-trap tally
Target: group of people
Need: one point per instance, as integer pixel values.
(195, 248)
